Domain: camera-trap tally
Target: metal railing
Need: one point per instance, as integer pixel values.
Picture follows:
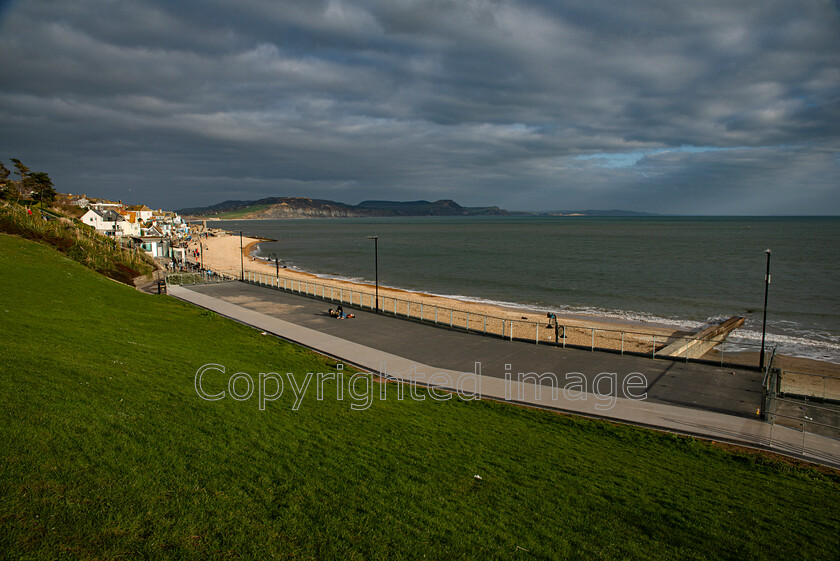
(804, 384)
(810, 418)
(541, 333)
(802, 400)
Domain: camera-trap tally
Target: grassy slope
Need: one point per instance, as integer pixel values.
(75, 240)
(106, 451)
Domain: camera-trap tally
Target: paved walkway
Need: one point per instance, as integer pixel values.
(694, 399)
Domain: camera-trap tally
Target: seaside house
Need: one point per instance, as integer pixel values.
(180, 228)
(154, 246)
(143, 212)
(105, 205)
(150, 230)
(106, 222)
(165, 228)
(131, 225)
(136, 222)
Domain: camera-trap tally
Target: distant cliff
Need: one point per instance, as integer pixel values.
(304, 207)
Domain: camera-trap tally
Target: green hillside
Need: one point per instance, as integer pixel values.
(242, 212)
(76, 240)
(107, 451)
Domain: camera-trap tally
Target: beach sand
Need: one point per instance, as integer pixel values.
(222, 254)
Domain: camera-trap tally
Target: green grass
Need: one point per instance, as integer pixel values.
(76, 240)
(107, 452)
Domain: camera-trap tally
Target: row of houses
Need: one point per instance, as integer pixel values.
(157, 232)
(142, 221)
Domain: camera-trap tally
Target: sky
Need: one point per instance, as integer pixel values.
(695, 107)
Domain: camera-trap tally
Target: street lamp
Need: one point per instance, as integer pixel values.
(764, 322)
(376, 266)
(276, 265)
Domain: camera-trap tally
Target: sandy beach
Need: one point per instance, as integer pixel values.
(222, 254)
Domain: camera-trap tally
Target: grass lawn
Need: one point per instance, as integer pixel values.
(107, 451)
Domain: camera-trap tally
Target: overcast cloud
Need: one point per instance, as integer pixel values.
(710, 107)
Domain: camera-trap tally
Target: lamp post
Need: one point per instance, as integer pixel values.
(764, 322)
(241, 258)
(201, 252)
(376, 266)
(276, 265)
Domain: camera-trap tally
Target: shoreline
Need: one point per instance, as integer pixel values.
(505, 308)
(511, 307)
(222, 254)
(744, 337)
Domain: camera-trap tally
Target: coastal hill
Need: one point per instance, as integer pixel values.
(305, 207)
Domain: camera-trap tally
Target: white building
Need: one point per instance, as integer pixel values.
(144, 212)
(110, 223)
(154, 246)
(102, 220)
(105, 206)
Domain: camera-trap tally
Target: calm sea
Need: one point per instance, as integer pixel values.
(679, 271)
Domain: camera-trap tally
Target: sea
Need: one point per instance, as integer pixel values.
(676, 271)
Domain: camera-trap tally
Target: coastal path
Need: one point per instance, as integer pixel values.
(683, 397)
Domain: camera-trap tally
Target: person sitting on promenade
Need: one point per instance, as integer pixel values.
(338, 313)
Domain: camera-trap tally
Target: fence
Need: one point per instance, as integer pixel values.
(805, 385)
(540, 333)
(808, 402)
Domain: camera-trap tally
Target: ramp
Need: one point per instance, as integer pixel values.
(699, 343)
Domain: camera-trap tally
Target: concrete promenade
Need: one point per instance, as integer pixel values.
(701, 400)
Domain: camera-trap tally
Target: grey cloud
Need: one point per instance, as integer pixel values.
(487, 102)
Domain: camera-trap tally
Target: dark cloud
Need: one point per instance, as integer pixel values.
(712, 107)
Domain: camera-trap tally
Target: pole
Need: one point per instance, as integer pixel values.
(276, 265)
(201, 250)
(764, 322)
(241, 257)
(376, 266)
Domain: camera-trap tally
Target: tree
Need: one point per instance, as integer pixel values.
(42, 187)
(8, 192)
(23, 172)
(5, 184)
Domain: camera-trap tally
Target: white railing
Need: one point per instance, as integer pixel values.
(592, 338)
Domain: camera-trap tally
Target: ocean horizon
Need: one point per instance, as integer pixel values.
(679, 271)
